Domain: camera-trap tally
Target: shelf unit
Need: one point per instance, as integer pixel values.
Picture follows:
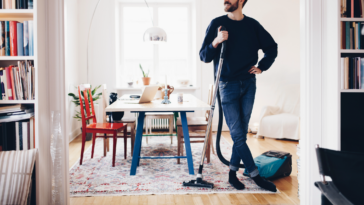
(22, 15)
(351, 101)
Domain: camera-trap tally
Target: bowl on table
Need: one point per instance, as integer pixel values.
(130, 84)
(183, 82)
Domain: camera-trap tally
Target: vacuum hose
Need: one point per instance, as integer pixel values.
(221, 116)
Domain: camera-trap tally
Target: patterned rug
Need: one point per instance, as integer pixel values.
(96, 177)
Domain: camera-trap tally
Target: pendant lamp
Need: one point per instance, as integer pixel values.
(154, 34)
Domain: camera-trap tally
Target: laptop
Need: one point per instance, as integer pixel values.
(147, 95)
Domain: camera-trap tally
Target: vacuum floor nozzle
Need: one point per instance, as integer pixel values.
(202, 184)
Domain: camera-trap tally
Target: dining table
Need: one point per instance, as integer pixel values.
(190, 104)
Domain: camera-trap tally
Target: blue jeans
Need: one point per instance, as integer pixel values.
(237, 99)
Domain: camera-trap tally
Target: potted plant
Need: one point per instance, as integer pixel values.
(145, 78)
(76, 101)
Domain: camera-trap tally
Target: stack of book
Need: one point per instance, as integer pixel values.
(16, 38)
(352, 70)
(17, 82)
(352, 8)
(17, 130)
(16, 4)
(352, 35)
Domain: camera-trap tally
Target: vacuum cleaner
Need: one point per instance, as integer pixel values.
(272, 163)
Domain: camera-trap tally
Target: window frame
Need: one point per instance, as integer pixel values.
(120, 37)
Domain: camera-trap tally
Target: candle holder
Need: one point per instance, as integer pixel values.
(166, 101)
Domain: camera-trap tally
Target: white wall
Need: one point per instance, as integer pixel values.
(282, 22)
(73, 73)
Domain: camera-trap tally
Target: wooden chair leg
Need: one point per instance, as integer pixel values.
(93, 144)
(83, 146)
(114, 148)
(107, 143)
(125, 141)
(105, 146)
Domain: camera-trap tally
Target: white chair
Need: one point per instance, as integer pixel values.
(282, 121)
(131, 121)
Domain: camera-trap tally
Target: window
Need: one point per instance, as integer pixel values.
(172, 58)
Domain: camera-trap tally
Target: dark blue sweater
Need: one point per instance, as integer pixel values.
(246, 37)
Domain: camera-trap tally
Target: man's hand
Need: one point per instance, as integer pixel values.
(221, 37)
(255, 70)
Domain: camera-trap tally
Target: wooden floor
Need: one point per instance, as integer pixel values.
(288, 186)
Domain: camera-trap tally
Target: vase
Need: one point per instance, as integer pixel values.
(170, 90)
(146, 81)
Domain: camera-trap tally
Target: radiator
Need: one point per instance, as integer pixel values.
(159, 124)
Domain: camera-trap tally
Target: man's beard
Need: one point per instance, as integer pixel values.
(232, 7)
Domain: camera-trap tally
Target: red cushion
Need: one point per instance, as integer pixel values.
(106, 126)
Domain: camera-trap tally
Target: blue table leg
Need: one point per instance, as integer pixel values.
(137, 143)
(187, 143)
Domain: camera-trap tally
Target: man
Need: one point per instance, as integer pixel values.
(244, 36)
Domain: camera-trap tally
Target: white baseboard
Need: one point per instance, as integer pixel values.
(72, 135)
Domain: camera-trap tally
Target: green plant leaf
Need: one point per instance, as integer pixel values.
(141, 68)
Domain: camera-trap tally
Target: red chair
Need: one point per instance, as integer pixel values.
(94, 127)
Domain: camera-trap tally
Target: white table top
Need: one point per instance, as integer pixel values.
(190, 103)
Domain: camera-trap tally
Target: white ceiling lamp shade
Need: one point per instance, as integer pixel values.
(155, 35)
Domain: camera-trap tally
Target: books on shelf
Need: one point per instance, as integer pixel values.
(17, 135)
(352, 35)
(17, 82)
(16, 38)
(16, 4)
(17, 127)
(352, 72)
(352, 8)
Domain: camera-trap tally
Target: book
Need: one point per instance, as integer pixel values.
(2, 38)
(343, 35)
(25, 136)
(12, 82)
(346, 73)
(31, 40)
(8, 136)
(362, 73)
(347, 35)
(30, 4)
(13, 4)
(358, 34)
(31, 133)
(352, 8)
(351, 38)
(358, 73)
(20, 39)
(7, 38)
(9, 84)
(33, 83)
(18, 135)
(4, 80)
(13, 38)
(342, 68)
(26, 38)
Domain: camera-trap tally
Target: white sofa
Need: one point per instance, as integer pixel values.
(282, 121)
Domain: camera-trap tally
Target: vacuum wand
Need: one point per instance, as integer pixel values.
(199, 181)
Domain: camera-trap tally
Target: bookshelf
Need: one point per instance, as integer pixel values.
(22, 15)
(351, 101)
